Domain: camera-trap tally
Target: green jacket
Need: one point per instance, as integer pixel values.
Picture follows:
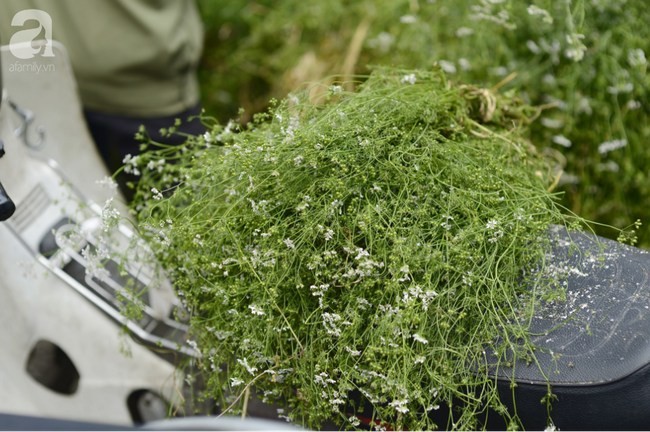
(130, 57)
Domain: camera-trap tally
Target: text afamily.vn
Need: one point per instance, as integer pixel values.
(33, 67)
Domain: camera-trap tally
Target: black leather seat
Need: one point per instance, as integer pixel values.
(594, 347)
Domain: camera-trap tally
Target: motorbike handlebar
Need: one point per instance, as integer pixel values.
(7, 206)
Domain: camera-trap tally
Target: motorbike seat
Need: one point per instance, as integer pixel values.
(594, 345)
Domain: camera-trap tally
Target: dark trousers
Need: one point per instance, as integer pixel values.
(114, 136)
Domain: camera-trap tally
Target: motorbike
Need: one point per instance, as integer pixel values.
(63, 342)
(63, 326)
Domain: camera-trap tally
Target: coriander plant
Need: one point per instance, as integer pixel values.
(361, 256)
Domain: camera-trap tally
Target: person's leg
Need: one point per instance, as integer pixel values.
(114, 137)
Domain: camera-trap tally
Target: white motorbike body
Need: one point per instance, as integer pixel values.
(64, 352)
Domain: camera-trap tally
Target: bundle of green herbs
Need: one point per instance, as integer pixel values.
(371, 244)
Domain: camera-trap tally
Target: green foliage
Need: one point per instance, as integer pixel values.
(585, 60)
(371, 243)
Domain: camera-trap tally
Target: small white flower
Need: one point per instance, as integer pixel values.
(400, 405)
(620, 88)
(551, 123)
(486, 11)
(361, 253)
(496, 236)
(550, 428)
(336, 89)
(636, 57)
(319, 290)
(464, 32)
(354, 421)
(251, 369)
(577, 49)
(235, 382)
(612, 145)
(322, 379)
(352, 352)
(584, 106)
(382, 42)
(94, 265)
(492, 224)
(293, 99)
(609, 166)
(419, 338)
(408, 19)
(562, 141)
(157, 195)
(404, 270)
(131, 164)
(108, 183)
(110, 215)
(363, 303)
(256, 310)
(447, 66)
(289, 243)
(533, 47)
(409, 79)
(156, 165)
(543, 13)
(464, 64)
(330, 321)
(389, 309)
(329, 234)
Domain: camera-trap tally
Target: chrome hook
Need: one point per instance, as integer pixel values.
(23, 131)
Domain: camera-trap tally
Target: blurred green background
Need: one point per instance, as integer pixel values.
(583, 61)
